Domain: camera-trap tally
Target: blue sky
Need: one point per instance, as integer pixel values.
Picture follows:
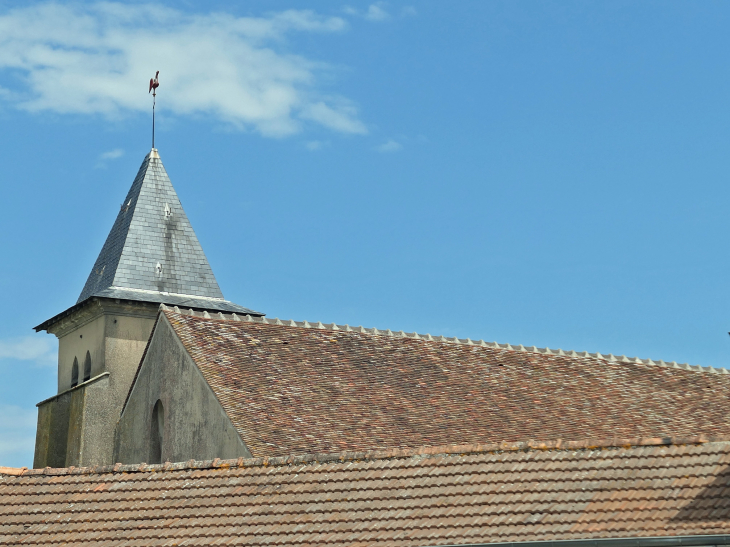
(538, 173)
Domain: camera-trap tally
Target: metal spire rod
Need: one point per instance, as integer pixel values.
(154, 84)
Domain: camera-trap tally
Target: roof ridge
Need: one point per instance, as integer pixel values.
(621, 359)
(386, 454)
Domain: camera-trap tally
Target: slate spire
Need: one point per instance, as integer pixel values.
(152, 253)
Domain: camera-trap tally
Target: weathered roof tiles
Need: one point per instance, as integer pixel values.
(299, 387)
(397, 498)
(454, 340)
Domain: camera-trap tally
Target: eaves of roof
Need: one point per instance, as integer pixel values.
(134, 296)
(671, 541)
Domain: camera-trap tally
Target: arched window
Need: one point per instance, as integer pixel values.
(157, 431)
(87, 366)
(75, 373)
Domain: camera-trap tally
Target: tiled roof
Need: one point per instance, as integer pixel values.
(289, 390)
(152, 246)
(438, 496)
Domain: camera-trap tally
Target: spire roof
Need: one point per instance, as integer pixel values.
(152, 253)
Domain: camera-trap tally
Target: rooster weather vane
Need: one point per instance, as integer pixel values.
(154, 84)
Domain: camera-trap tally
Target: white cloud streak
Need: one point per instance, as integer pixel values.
(315, 145)
(41, 351)
(112, 154)
(96, 60)
(389, 146)
(374, 12)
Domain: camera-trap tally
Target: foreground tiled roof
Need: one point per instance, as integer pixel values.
(438, 496)
(290, 389)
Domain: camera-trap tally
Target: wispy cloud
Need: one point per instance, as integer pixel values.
(408, 11)
(339, 118)
(96, 59)
(374, 12)
(41, 351)
(112, 154)
(389, 146)
(17, 436)
(315, 145)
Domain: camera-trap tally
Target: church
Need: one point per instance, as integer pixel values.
(182, 418)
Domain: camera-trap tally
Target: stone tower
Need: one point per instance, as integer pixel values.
(150, 257)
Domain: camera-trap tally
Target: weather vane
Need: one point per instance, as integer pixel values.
(154, 84)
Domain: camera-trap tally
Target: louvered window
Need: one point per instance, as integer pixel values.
(75, 373)
(87, 366)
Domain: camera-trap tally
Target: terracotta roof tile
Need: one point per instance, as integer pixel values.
(290, 389)
(437, 495)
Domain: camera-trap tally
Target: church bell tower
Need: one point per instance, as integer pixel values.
(151, 257)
